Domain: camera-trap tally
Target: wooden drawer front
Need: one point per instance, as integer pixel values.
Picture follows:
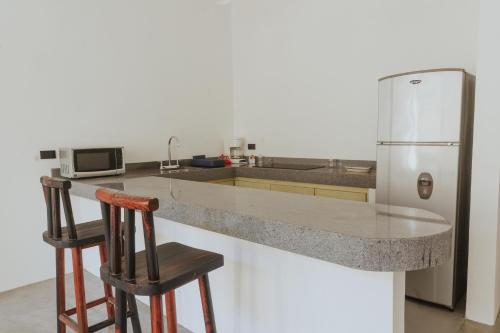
(292, 189)
(229, 182)
(356, 196)
(244, 183)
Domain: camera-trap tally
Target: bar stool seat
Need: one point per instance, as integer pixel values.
(89, 233)
(178, 264)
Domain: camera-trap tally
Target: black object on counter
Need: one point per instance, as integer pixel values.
(202, 161)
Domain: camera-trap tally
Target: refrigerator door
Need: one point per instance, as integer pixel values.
(422, 177)
(421, 107)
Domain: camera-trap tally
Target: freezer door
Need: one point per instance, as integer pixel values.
(422, 107)
(405, 176)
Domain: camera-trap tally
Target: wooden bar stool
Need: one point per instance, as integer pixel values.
(158, 270)
(76, 237)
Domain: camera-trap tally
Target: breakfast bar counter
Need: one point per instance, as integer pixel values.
(352, 234)
(294, 263)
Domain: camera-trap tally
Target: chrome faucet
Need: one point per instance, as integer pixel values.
(170, 165)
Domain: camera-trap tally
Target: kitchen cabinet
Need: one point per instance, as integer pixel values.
(320, 190)
(252, 184)
(292, 189)
(227, 181)
(345, 195)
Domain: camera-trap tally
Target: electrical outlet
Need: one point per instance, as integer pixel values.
(47, 154)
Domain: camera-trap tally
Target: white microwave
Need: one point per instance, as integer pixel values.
(91, 162)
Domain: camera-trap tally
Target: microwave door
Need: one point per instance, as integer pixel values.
(94, 160)
(97, 162)
(91, 162)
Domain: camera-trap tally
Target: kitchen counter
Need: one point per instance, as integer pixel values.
(293, 263)
(356, 235)
(323, 175)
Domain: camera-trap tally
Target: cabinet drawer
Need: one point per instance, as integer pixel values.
(292, 189)
(243, 183)
(345, 195)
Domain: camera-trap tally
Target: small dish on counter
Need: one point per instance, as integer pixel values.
(357, 169)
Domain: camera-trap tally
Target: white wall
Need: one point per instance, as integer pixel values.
(305, 72)
(95, 72)
(483, 292)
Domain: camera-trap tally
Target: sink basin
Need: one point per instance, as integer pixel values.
(171, 167)
(173, 171)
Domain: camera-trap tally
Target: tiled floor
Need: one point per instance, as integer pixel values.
(426, 318)
(31, 309)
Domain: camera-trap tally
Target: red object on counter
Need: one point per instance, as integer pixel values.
(226, 159)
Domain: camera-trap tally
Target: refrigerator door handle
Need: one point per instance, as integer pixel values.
(425, 185)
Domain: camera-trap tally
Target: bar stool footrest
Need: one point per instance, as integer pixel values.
(90, 305)
(106, 323)
(68, 321)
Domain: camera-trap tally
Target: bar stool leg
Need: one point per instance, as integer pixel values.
(171, 311)
(121, 312)
(81, 306)
(206, 303)
(61, 292)
(136, 324)
(156, 314)
(107, 288)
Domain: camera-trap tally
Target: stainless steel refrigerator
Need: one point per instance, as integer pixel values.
(423, 160)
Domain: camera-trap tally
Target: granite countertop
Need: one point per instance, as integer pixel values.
(323, 175)
(356, 235)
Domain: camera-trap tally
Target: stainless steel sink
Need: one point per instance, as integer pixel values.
(174, 171)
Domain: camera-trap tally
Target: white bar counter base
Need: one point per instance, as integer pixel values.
(265, 290)
(262, 289)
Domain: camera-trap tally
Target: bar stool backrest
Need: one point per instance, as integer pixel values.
(111, 206)
(54, 190)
